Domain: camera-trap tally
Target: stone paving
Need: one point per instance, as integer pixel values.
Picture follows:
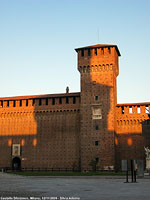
(73, 188)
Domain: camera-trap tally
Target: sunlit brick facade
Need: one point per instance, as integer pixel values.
(75, 131)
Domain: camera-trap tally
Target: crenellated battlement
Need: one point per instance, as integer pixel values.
(98, 56)
(40, 102)
(136, 108)
(130, 117)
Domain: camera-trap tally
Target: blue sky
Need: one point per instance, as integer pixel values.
(38, 38)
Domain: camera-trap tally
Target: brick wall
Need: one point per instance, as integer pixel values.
(46, 128)
(99, 68)
(76, 130)
(132, 131)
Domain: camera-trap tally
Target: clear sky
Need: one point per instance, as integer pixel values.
(38, 38)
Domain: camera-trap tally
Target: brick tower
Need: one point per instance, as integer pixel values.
(98, 66)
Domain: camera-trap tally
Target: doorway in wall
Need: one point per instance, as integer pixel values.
(16, 163)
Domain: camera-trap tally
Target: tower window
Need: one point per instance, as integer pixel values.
(138, 109)
(96, 98)
(122, 109)
(74, 100)
(1, 104)
(27, 102)
(14, 103)
(53, 101)
(7, 103)
(96, 52)
(67, 100)
(20, 102)
(40, 102)
(97, 160)
(97, 127)
(96, 143)
(130, 110)
(33, 102)
(89, 52)
(82, 52)
(60, 100)
(46, 101)
(146, 109)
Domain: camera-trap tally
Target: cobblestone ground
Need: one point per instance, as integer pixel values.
(79, 188)
(14, 186)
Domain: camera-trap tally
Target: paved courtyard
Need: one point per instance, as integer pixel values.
(77, 188)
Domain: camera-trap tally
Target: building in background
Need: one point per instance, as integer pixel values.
(84, 131)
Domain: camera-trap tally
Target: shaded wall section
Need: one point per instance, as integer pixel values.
(46, 127)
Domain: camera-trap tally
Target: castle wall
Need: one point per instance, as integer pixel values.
(132, 131)
(47, 130)
(86, 130)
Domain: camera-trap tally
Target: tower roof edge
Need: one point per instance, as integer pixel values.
(99, 46)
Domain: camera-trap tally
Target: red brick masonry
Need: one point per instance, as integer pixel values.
(75, 130)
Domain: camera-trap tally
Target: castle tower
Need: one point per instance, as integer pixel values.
(98, 66)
